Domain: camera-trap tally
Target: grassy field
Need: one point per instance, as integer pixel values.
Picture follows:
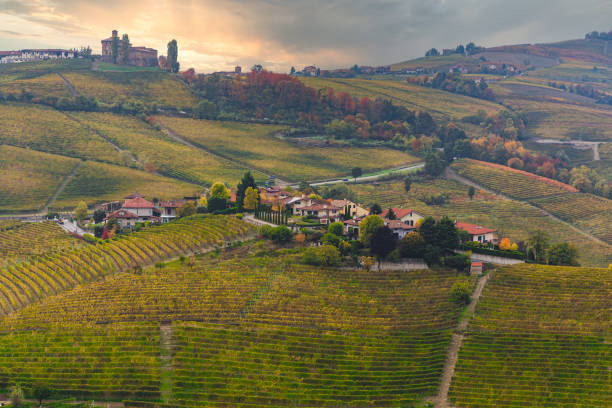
(149, 87)
(155, 150)
(47, 130)
(440, 104)
(540, 337)
(34, 69)
(44, 85)
(256, 146)
(510, 218)
(29, 178)
(98, 182)
(249, 330)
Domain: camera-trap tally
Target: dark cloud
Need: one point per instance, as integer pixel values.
(329, 33)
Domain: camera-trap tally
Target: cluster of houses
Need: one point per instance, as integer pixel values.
(135, 209)
(7, 57)
(402, 222)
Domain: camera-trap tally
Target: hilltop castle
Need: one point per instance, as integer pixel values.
(139, 56)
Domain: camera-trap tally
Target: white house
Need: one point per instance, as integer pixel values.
(477, 233)
(399, 228)
(168, 210)
(404, 215)
(350, 208)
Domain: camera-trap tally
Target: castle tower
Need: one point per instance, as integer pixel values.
(115, 33)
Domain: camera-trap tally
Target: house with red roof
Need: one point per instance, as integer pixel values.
(168, 210)
(477, 233)
(399, 228)
(139, 206)
(125, 218)
(405, 215)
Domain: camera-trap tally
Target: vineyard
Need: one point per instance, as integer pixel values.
(44, 129)
(42, 86)
(511, 182)
(25, 283)
(24, 239)
(155, 150)
(29, 178)
(540, 337)
(246, 331)
(510, 218)
(148, 87)
(439, 103)
(589, 212)
(256, 146)
(98, 182)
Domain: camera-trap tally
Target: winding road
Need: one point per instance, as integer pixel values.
(578, 144)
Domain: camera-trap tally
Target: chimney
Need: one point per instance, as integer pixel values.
(115, 33)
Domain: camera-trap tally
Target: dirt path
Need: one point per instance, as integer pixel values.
(441, 401)
(452, 175)
(60, 188)
(68, 85)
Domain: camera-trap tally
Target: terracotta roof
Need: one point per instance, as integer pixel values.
(397, 224)
(473, 229)
(475, 263)
(399, 212)
(121, 214)
(352, 222)
(138, 202)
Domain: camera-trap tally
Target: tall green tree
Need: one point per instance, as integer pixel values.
(115, 49)
(246, 182)
(125, 49)
(367, 227)
(382, 243)
(563, 254)
(537, 245)
(172, 58)
(356, 172)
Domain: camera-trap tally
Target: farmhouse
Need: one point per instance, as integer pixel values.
(399, 228)
(404, 215)
(477, 233)
(350, 209)
(138, 56)
(326, 213)
(168, 210)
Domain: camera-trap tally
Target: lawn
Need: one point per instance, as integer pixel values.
(256, 146)
(29, 178)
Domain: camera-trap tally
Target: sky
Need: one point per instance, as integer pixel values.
(218, 35)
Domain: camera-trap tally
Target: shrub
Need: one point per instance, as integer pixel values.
(330, 239)
(280, 234)
(412, 245)
(336, 228)
(459, 262)
(461, 292)
(326, 255)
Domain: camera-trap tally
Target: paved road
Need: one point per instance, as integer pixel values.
(72, 227)
(371, 177)
(579, 144)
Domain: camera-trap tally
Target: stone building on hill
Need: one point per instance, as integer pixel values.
(139, 56)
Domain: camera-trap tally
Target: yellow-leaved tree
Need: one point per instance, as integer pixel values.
(251, 196)
(504, 244)
(80, 212)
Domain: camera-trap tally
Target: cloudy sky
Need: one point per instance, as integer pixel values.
(215, 35)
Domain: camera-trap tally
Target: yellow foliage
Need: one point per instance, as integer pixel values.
(514, 247)
(504, 244)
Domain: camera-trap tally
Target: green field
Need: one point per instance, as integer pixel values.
(440, 104)
(98, 182)
(45, 129)
(510, 218)
(148, 87)
(44, 85)
(30, 178)
(257, 147)
(155, 150)
(540, 337)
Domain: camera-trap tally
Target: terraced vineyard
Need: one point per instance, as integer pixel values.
(589, 212)
(251, 331)
(156, 150)
(510, 218)
(98, 182)
(540, 337)
(29, 178)
(511, 182)
(256, 146)
(85, 361)
(149, 87)
(24, 239)
(44, 129)
(24, 283)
